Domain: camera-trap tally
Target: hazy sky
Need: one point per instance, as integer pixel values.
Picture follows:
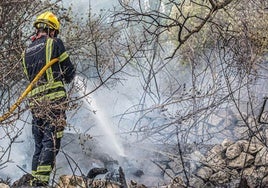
(96, 5)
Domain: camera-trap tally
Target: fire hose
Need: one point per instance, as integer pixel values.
(28, 89)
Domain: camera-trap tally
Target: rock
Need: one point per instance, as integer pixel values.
(196, 182)
(233, 151)
(251, 181)
(152, 179)
(2, 185)
(251, 175)
(176, 166)
(208, 185)
(216, 163)
(23, 181)
(242, 142)
(243, 183)
(217, 149)
(220, 177)
(198, 159)
(69, 181)
(242, 161)
(265, 135)
(177, 182)
(252, 122)
(175, 186)
(264, 182)
(134, 184)
(204, 173)
(261, 158)
(227, 163)
(197, 156)
(214, 158)
(234, 174)
(261, 172)
(226, 143)
(240, 132)
(249, 171)
(104, 184)
(251, 147)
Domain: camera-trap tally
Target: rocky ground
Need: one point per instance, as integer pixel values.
(232, 163)
(242, 163)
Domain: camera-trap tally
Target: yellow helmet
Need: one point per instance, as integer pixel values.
(47, 20)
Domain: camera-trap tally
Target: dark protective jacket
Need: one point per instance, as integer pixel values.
(51, 84)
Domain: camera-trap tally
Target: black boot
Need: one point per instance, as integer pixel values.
(38, 183)
(96, 171)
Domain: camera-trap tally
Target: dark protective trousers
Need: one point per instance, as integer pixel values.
(47, 143)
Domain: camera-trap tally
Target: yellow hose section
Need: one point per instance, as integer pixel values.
(28, 89)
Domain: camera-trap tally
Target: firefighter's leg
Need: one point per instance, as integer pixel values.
(38, 137)
(48, 154)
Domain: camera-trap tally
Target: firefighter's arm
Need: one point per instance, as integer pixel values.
(67, 67)
(68, 70)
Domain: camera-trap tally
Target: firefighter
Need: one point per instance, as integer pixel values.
(48, 98)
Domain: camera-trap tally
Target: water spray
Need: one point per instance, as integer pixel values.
(104, 123)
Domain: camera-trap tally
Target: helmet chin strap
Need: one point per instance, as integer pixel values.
(56, 34)
(52, 33)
